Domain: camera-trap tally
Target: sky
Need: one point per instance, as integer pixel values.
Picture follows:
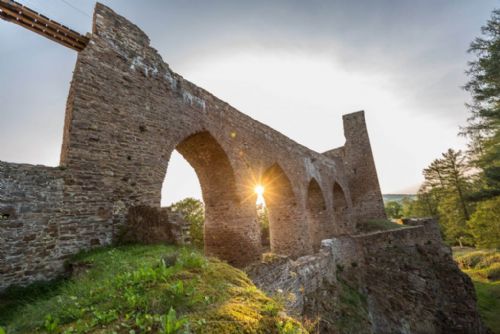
(296, 66)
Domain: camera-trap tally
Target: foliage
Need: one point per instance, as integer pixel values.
(171, 324)
(483, 266)
(453, 223)
(130, 289)
(394, 209)
(193, 212)
(484, 123)
(485, 223)
(444, 194)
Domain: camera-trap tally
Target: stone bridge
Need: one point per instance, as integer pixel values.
(127, 111)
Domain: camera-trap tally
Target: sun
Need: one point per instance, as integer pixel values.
(259, 190)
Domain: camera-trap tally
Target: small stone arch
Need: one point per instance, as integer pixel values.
(340, 209)
(228, 227)
(317, 215)
(287, 222)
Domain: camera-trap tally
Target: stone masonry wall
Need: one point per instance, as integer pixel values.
(360, 169)
(31, 201)
(398, 281)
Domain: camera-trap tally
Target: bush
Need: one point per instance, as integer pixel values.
(393, 209)
(493, 272)
(193, 211)
(471, 260)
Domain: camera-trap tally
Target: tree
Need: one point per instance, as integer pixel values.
(484, 123)
(452, 221)
(427, 202)
(444, 194)
(394, 209)
(408, 204)
(454, 174)
(193, 212)
(448, 176)
(485, 223)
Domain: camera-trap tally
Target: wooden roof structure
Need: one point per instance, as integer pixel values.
(17, 13)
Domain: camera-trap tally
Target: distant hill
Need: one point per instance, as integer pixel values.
(397, 197)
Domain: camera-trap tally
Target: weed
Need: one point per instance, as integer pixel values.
(50, 325)
(171, 324)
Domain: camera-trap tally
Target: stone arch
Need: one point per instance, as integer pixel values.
(317, 215)
(287, 223)
(229, 226)
(340, 209)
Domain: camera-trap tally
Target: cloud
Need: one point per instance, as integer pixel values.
(294, 65)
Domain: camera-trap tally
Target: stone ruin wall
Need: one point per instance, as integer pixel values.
(126, 112)
(397, 281)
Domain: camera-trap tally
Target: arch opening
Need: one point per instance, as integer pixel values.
(316, 214)
(227, 225)
(287, 228)
(340, 209)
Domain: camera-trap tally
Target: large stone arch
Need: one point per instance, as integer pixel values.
(228, 221)
(341, 211)
(287, 223)
(317, 214)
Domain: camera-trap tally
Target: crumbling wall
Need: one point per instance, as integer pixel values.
(398, 281)
(149, 225)
(414, 286)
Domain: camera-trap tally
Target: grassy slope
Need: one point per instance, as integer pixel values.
(484, 269)
(137, 289)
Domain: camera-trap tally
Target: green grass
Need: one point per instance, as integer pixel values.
(377, 225)
(137, 289)
(483, 267)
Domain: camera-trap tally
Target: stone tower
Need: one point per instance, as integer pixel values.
(359, 165)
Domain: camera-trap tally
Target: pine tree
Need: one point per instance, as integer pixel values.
(483, 128)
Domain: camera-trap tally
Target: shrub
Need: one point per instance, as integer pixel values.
(193, 211)
(478, 259)
(471, 260)
(493, 272)
(489, 260)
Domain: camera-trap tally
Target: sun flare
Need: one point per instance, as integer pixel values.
(259, 190)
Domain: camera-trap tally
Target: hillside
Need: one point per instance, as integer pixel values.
(136, 289)
(397, 197)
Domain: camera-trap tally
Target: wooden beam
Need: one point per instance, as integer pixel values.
(14, 12)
